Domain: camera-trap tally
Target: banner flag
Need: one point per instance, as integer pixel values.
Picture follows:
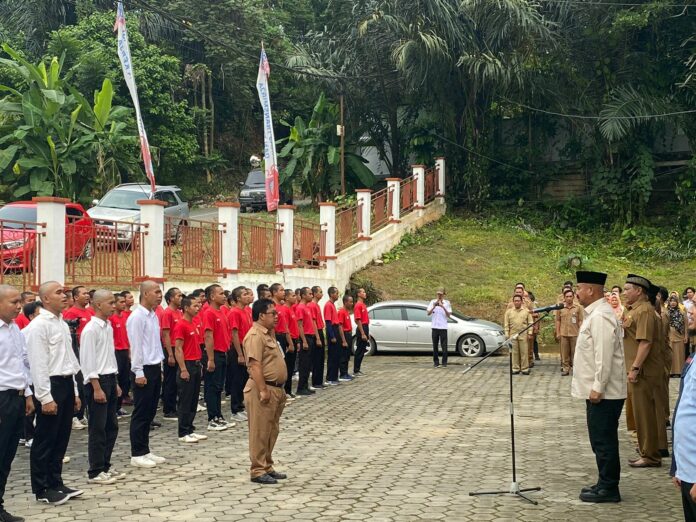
(269, 149)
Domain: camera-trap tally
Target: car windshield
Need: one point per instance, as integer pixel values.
(17, 213)
(255, 177)
(125, 199)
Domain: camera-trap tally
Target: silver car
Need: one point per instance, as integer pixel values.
(120, 204)
(405, 326)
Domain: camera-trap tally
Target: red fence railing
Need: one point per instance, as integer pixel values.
(381, 210)
(408, 194)
(259, 245)
(308, 247)
(21, 253)
(348, 226)
(108, 253)
(192, 249)
(430, 184)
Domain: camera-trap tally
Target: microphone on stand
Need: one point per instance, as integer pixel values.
(558, 306)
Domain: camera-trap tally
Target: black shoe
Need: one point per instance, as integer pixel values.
(303, 392)
(6, 517)
(599, 496)
(436, 365)
(537, 358)
(70, 491)
(444, 365)
(155, 424)
(171, 416)
(53, 497)
(276, 475)
(264, 479)
(589, 489)
(664, 453)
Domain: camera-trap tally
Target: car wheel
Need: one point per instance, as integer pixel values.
(372, 350)
(471, 345)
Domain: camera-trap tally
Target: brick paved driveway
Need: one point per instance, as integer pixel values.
(406, 442)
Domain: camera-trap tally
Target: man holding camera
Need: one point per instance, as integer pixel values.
(439, 309)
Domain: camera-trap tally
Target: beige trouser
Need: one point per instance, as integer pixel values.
(677, 357)
(630, 419)
(520, 360)
(264, 425)
(567, 352)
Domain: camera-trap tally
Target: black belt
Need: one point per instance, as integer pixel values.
(275, 384)
(61, 376)
(108, 376)
(13, 392)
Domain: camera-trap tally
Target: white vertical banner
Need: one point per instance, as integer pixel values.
(124, 56)
(269, 148)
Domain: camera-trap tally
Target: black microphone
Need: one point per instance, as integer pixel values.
(558, 306)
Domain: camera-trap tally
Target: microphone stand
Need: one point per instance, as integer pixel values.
(515, 485)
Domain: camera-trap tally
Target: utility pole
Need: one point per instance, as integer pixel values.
(342, 134)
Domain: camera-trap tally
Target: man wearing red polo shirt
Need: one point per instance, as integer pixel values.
(318, 353)
(239, 326)
(282, 329)
(346, 333)
(295, 342)
(22, 320)
(362, 321)
(122, 348)
(217, 343)
(170, 317)
(308, 334)
(332, 337)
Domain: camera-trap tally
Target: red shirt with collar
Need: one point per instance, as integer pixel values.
(22, 321)
(240, 321)
(304, 314)
(83, 314)
(283, 319)
(330, 313)
(360, 313)
(316, 313)
(168, 321)
(216, 321)
(188, 332)
(118, 325)
(293, 327)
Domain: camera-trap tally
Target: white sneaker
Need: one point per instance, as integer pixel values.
(156, 459)
(142, 462)
(77, 425)
(244, 414)
(29, 443)
(188, 439)
(312, 388)
(238, 417)
(66, 459)
(214, 426)
(118, 475)
(200, 408)
(102, 478)
(84, 422)
(199, 436)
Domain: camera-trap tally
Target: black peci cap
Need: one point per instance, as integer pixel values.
(639, 280)
(591, 278)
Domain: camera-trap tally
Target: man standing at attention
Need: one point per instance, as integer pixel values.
(318, 354)
(332, 337)
(440, 309)
(53, 369)
(599, 378)
(568, 321)
(122, 349)
(170, 317)
(15, 392)
(264, 393)
(362, 331)
(146, 372)
(81, 312)
(517, 322)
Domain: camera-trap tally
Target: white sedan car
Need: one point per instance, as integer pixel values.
(405, 326)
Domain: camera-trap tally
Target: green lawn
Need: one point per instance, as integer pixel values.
(480, 260)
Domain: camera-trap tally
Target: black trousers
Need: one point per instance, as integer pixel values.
(80, 414)
(123, 364)
(229, 372)
(361, 348)
(240, 376)
(603, 426)
(345, 354)
(333, 358)
(304, 361)
(214, 383)
(318, 360)
(145, 400)
(439, 336)
(102, 425)
(687, 503)
(12, 404)
(188, 397)
(52, 436)
(168, 386)
(290, 358)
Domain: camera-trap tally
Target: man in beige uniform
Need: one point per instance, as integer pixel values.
(644, 367)
(264, 394)
(568, 321)
(517, 319)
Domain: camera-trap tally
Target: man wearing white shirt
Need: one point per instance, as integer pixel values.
(15, 393)
(599, 378)
(100, 371)
(440, 309)
(146, 372)
(53, 368)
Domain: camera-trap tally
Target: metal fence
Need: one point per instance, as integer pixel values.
(108, 254)
(430, 184)
(259, 245)
(381, 210)
(309, 244)
(348, 226)
(408, 194)
(21, 253)
(192, 249)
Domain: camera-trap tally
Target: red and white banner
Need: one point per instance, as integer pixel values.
(269, 149)
(127, 65)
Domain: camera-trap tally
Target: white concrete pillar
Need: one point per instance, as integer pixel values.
(228, 217)
(51, 263)
(419, 175)
(440, 166)
(152, 215)
(286, 218)
(327, 220)
(394, 192)
(365, 197)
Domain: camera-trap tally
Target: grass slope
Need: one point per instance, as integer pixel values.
(479, 261)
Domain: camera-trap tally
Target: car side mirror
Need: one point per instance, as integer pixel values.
(95, 202)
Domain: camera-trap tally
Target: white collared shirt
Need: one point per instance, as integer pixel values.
(97, 351)
(599, 354)
(439, 317)
(143, 331)
(14, 365)
(49, 348)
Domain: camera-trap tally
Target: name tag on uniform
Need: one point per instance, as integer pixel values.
(574, 320)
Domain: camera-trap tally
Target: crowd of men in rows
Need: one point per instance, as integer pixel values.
(79, 354)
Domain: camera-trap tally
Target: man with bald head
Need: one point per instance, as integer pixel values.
(100, 371)
(599, 378)
(15, 393)
(53, 368)
(146, 372)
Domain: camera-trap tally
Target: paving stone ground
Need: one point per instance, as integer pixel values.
(406, 442)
